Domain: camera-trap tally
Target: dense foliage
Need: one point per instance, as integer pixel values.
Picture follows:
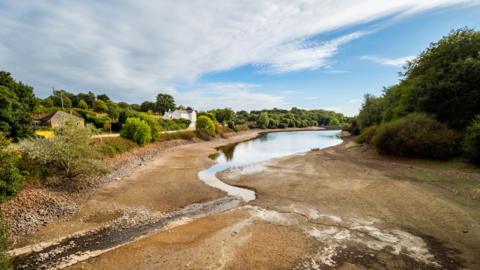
(10, 176)
(71, 152)
(137, 130)
(165, 103)
(471, 143)
(205, 126)
(416, 135)
(443, 82)
(16, 103)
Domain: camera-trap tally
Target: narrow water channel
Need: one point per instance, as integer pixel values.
(250, 154)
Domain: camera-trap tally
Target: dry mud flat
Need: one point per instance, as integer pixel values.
(336, 208)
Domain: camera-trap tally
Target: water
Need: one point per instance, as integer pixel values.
(250, 154)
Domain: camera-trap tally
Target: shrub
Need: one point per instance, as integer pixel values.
(416, 135)
(5, 260)
(10, 176)
(137, 130)
(367, 135)
(72, 152)
(241, 127)
(82, 105)
(471, 142)
(206, 126)
(117, 145)
(152, 123)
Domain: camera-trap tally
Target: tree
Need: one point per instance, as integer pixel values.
(136, 130)
(89, 98)
(47, 102)
(148, 106)
(103, 97)
(72, 151)
(10, 176)
(100, 106)
(263, 120)
(225, 115)
(165, 102)
(15, 119)
(370, 112)
(82, 104)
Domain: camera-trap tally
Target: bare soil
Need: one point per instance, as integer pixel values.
(343, 207)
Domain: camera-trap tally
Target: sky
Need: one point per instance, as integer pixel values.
(249, 54)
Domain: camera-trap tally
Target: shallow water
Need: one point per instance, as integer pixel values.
(266, 147)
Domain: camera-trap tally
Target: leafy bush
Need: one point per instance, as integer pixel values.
(367, 135)
(471, 142)
(117, 145)
(72, 152)
(241, 127)
(82, 105)
(10, 176)
(100, 106)
(137, 130)
(98, 121)
(5, 260)
(152, 123)
(206, 126)
(416, 135)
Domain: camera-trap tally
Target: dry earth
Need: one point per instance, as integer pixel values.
(338, 208)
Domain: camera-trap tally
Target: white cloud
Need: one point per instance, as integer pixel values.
(238, 96)
(131, 49)
(394, 62)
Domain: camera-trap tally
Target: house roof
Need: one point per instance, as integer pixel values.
(60, 114)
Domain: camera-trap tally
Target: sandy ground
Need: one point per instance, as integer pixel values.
(162, 185)
(339, 208)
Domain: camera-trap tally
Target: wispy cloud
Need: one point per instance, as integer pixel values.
(393, 62)
(303, 55)
(134, 48)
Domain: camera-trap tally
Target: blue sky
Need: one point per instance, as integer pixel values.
(239, 54)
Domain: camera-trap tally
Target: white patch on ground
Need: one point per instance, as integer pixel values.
(335, 233)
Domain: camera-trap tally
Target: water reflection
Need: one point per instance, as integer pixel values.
(266, 147)
(276, 144)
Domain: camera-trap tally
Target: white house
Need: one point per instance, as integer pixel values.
(185, 114)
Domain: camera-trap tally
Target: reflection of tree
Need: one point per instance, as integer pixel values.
(228, 150)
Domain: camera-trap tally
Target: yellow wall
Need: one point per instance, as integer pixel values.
(45, 133)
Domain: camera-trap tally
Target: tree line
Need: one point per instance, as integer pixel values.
(434, 111)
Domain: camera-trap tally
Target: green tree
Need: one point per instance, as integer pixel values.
(471, 142)
(72, 151)
(370, 112)
(103, 97)
(148, 106)
(153, 124)
(137, 130)
(165, 102)
(100, 106)
(263, 120)
(10, 176)
(15, 119)
(47, 102)
(82, 104)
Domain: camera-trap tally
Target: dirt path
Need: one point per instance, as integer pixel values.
(331, 209)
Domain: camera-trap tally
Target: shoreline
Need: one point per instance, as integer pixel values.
(208, 146)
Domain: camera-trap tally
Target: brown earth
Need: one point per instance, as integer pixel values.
(339, 208)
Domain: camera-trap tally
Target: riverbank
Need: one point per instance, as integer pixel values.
(140, 198)
(344, 207)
